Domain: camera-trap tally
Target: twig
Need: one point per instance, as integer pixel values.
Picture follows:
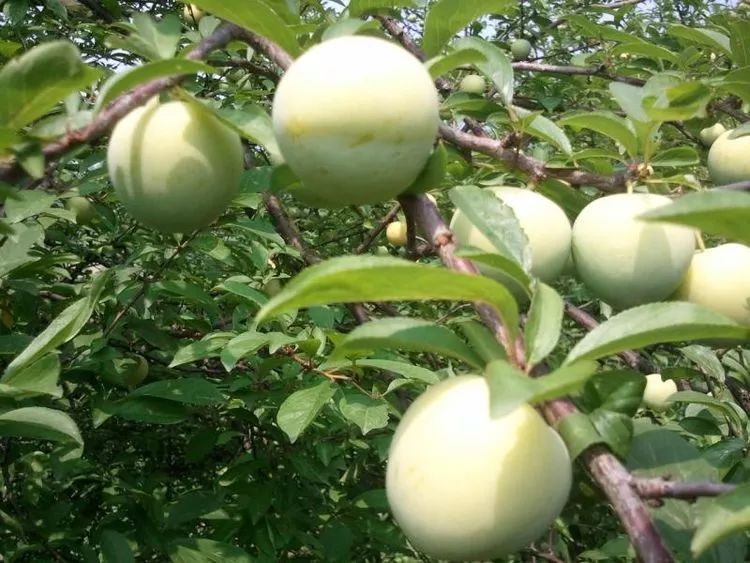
(379, 228)
(600, 71)
(664, 488)
(124, 104)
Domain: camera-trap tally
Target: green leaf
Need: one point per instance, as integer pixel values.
(205, 348)
(253, 123)
(148, 410)
(38, 378)
(240, 346)
(541, 127)
(300, 408)
(189, 291)
(409, 371)
(115, 548)
(578, 433)
(724, 213)
(740, 42)
(16, 251)
(446, 17)
(563, 381)
(737, 82)
(716, 41)
(348, 26)
(482, 341)
(739, 421)
(132, 77)
(648, 50)
(161, 37)
(509, 387)
(36, 81)
(722, 517)
(66, 326)
(198, 550)
(256, 16)
(655, 323)
(28, 203)
(630, 99)
(615, 390)
(496, 64)
(443, 64)
(406, 334)
(676, 157)
(359, 7)
(495, 220)
(187, 390)
(508, 266)
(615, 428)
(544, 323)
(685, 100)
(433, 173)
(351, 279)
(606, 123)
(363, 411)
(43, 424)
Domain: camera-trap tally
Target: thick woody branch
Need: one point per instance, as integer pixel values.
(124, 104)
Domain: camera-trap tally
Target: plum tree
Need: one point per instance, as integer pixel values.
(84, 210)
(473, 84)
(719, 279)
(396, 233)
(657, 390)
(727, 159)
(174, 166)
(520, 49)
(544, 222)
(625, 261)
(380, 148)
(709, 135)
(463, 485)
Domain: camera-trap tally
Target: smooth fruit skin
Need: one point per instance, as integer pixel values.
(521, 49)
(355, 118)
(719, 279)
(544, 222)
(464, 486)
(728, 160)
(625, 261)
(656, 392)
(473, 84)
(174, 166)
(83, 208)
(709, 135)
(396, 233)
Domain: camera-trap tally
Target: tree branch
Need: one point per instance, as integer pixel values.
(379, 228)
(599, 71)
(124, 104)
(664, 488)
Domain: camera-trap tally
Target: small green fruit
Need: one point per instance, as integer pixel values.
(174, 166)
(728, 160)
(657, 391)
(84, 210)
(272, 287)
(625, 261)
(709, 135)
(473, 84)
(521, 49)
(719, 279)
(464, 485)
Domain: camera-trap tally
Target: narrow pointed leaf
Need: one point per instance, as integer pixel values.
(350, 279)
(656, 323)
(544, 323)
(301, 407)
(403, 333)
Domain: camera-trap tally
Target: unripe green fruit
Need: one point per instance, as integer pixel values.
(625, 261)
(521, 49)
(709, 135)
(473, 84)
(84, 210)
(656, 392)
(465, 486)
(174, 166)
(272, 287)
(135, 370)
(728, 160)
(719, 279)
(544, 222)
(355, 118)
(396, 233)
(192, 13)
